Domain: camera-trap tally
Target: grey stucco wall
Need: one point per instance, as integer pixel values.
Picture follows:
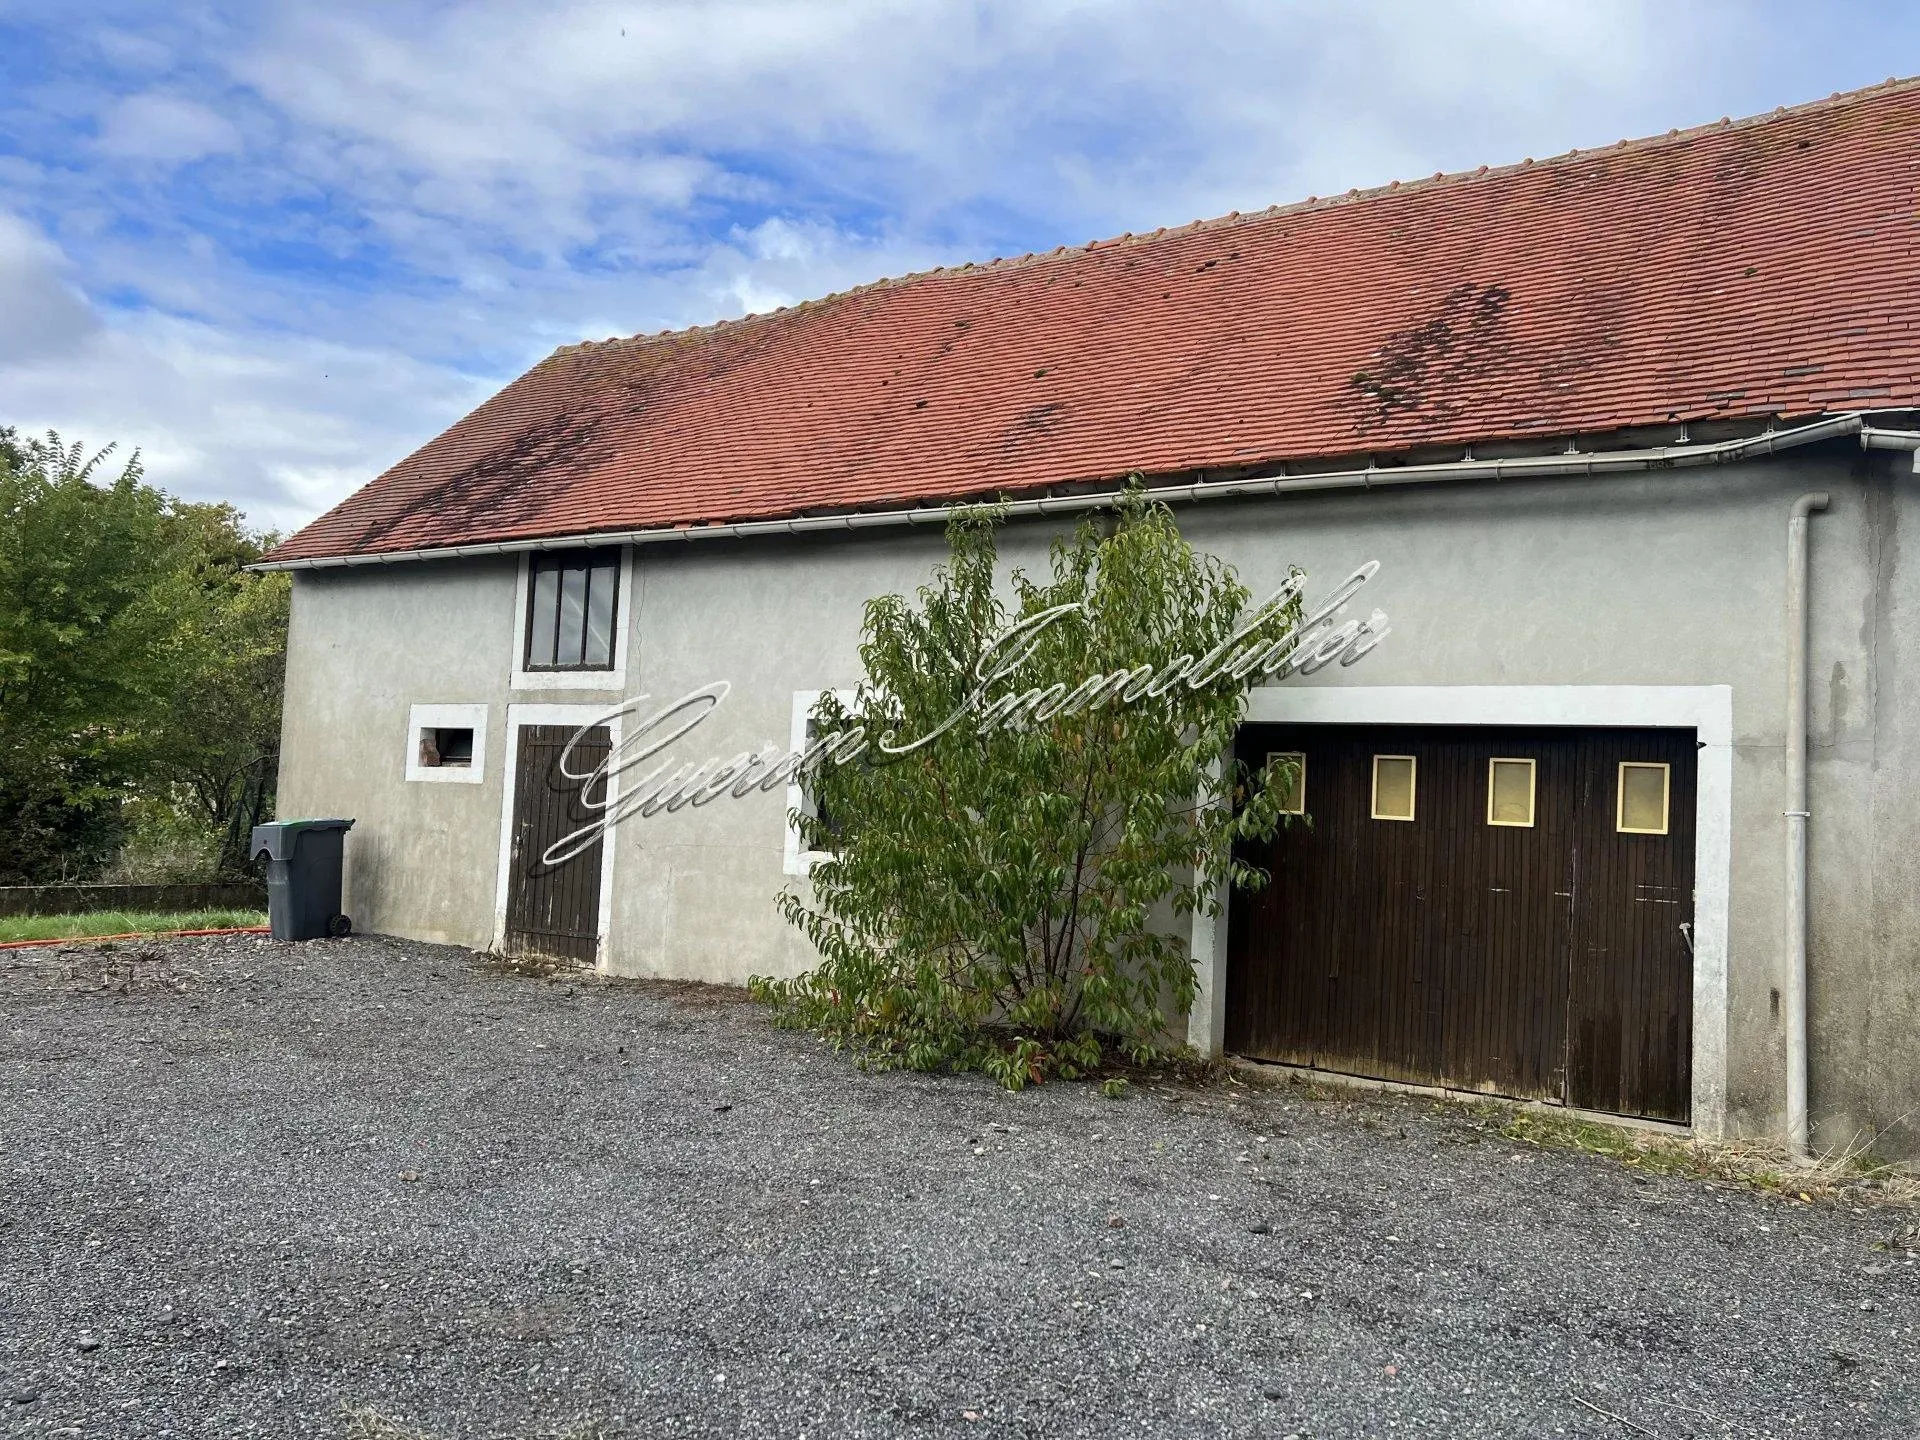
(1664, 579)
(362, 648)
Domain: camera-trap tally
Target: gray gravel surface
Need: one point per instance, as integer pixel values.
(245, 1188)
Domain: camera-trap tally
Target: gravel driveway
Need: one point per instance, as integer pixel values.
(246, 1189)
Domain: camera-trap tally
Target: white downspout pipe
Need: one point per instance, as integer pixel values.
(1797, 818)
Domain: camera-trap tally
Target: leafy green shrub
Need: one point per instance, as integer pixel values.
(168, 842)
(1000, 886)
(60, 804)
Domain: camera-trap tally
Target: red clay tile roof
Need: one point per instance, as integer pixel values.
(1760, 268)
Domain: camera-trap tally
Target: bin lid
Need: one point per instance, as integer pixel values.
(276, 838)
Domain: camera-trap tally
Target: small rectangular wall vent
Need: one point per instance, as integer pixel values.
(447, 743)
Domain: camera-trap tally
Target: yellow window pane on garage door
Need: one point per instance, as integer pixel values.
(1294, 801)
(1393, 787)
(1509, 791)
(1642, 806)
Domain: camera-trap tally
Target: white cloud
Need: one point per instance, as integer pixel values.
(781, 262)
(156, 126)
(551, 123)
(130, 50)
(282, 425)
(42, 317)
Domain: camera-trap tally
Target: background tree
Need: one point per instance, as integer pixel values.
(215, 741)
(1001, 898)
(140, 665)
(85, 619)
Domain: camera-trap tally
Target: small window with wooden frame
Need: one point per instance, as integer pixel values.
(573, 609)
(1510, 791)
(1395, 778)
(1643, 801)
(1294, 798)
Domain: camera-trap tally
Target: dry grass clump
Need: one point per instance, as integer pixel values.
(533, 967)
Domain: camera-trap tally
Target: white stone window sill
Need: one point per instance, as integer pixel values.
(569, 680)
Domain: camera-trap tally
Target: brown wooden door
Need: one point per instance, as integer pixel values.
(553, 909)
(1442, 949)
(1630, 1002)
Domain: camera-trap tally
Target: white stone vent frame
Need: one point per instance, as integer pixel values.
(794, 860)
(447, 717)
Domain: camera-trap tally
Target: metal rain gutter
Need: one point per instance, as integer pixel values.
(1572, 465)
(1908, 440)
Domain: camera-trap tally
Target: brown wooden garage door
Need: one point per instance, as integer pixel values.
(1527, 931)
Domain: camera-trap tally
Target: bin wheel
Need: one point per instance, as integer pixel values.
(339, 925)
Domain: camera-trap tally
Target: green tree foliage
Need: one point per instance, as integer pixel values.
(137, 658)
(216, 739)
(1003, 896)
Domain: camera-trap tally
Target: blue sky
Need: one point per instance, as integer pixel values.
(278, 245)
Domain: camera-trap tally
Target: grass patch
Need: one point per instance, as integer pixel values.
(1657, 1154)
(1854, 1177)
(122, 922)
